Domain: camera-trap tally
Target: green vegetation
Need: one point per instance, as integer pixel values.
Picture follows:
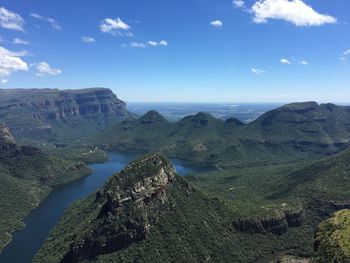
(223, 213)
(77, 152)
(17, 198)
(332, 242)
(294, 132)
(262, 193)
(278, 178)
(26, 177)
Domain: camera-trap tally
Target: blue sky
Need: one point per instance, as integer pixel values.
(183, 50)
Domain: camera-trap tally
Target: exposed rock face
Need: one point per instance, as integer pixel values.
(129, 205)
(43, 110)
(276, 225)
(6, 138)
(9, 148)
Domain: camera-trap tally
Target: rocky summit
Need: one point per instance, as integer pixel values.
(128, 206)
(38, 113)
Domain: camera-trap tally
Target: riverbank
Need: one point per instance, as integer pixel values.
(41, 220)
(19, 197)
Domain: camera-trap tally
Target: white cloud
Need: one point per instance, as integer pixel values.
(11, 62)
(294, 11)
(137, 45)
(257, 71)
(345, 55)
(346, 52)
(88, 39)
(10, 20)
(152, 43)
(304, 62)
(163, 43)
(216, 23)
(115, 27)
(45, 69)
(238, 3)
(19, 41)
(3, 81)
(285, 61)
(54, 24)
(156, 44)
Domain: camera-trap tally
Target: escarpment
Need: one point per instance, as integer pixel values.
(277, 224)
(49, 113)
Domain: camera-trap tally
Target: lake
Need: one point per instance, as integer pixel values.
(39, 222)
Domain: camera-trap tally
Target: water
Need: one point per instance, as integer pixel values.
(40, 221)
(245, 112)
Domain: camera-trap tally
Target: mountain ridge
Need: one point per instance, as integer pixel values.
(292, 132)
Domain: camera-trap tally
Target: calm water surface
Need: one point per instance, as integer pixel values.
(40, 221)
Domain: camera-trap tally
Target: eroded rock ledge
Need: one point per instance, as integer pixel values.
(277, 224)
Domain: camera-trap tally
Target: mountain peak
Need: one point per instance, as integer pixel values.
(128, 206)
(234, 121)
(199, 119)
(301, 105)
(152, 116)
(154, 166)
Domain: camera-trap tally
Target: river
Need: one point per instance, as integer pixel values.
(39, 222)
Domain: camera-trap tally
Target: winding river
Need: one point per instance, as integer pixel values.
(39, 222)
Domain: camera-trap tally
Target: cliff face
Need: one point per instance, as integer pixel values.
(41, 111)
(129, 204)
(276, 225)
(6, 138)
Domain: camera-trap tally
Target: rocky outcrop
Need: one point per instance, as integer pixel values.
(6, 137)
(277, 224)
(129, 204)
(44, 110)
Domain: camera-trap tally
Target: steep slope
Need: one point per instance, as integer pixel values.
(26, 177)
(148, 213)
(290, 133)
(332, 242)
(324, 127)
(59, 114)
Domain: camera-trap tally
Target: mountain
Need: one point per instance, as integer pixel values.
(324, 126)
(148, 213)
(292, 132)
(52, 114)
(332, 242)
(26, 177)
